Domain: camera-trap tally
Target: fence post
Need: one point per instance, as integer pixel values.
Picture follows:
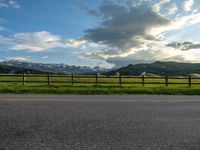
(143, 80)
(120, 79)
(97, 78)
(48, 79)
(23, 78)
(166, 81)
(189, 81)
(72, 79)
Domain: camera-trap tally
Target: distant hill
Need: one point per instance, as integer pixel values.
(159, 68)
(4, 69)
(39, 68)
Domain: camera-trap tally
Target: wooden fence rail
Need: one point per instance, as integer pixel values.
(96, 79)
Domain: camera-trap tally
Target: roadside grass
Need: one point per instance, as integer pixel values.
(97, 89)
(65, 87)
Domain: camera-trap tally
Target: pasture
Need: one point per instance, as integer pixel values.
(93, 84)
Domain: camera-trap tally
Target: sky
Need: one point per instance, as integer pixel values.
(106, 33)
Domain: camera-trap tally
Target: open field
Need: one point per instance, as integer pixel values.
(60, 84)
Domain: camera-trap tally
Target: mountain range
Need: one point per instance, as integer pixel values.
(154, 69)
(12, 66)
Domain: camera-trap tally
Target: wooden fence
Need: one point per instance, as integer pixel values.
(95, 79)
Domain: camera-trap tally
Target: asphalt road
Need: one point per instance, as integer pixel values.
(56, 122)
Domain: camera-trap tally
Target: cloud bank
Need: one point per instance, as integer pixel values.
(136, 32)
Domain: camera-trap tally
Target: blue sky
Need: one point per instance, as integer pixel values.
(101, 32)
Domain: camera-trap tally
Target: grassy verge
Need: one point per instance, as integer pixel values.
(106, 90)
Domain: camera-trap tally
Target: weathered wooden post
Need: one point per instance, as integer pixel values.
(97, 78)
(166, 81)
(120, 79)
(189, 80)
(48, 79)
(23, 78)
(143, 80)
(72, 79)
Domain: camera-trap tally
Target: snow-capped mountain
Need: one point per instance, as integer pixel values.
(53, 68)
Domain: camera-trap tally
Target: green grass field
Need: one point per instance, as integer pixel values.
(63, 85)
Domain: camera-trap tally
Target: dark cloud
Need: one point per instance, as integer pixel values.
(121, 25)
(184, 46)
(126, 31)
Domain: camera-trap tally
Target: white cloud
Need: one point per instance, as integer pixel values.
(3, 4)
(73, 43)
(11, 3)
(44, 41)
(83, 46)
(3, 39)
(172, 9)
(158, 5)
(22, 59)
(35, 42)
(45, 57)
(177, 24)
(14, 4)
(188, 4)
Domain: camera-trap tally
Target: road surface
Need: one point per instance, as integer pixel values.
(58, 122)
